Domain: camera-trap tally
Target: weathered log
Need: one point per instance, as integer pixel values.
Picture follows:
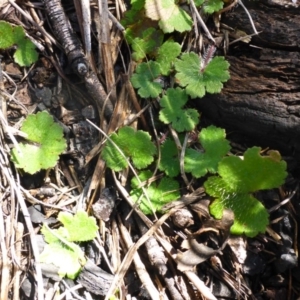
(262, 98)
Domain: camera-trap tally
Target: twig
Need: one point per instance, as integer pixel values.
(158, 259)
(201, 21)
(139, 266)
(86, 24)
(115, 21)
(15, 188)
(243, 37)
(182, 154)
(74, 51)
(199, 284)
(5, 261)
(17, 266)
(250, 18)
(28, 17)
(132, 250)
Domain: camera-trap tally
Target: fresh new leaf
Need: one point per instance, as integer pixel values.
(26, 53)
(136, 145)
(161, 193)
(145, 79)
(169, 161)
(46, 143)
(150, 40)
(62, 253)
(170, 16)
(55, 235)
(172, 111)
(199, 79)
(60, 250)
(166, 56)
(67, 260)
(211, 6)
(80, 227)
(239, 178)
(14, 35)
(7, 38)
(215, 145)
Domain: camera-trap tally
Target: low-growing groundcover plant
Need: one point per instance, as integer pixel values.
(233, 187)
(10, 36)
(231, 181)
(235, 179)
(44, 143)
(61, 250)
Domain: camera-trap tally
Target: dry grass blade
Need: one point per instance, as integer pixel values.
(10, 184)
(131, 252)
(140, 267)
(199, 284)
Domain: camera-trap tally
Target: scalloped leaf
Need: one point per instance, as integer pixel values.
(172, 112)
(170, 16)
(62, 253)
(211, 6)
(69, 261)
(239, 178)
(213, 140)
(250, 216)
(136, 145)
(7, 38)
(167, 54)
(150, 40)
(198, 79)
(80, 226)
(47, 143)
(161, 193)
(26, 54)
(145, 79)
(14, 35)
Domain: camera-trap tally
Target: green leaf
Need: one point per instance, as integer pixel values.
(198, 2)
(239, 178)
(170, 16)
(80, 227)
(215, 146)
(69, 261)
(137, 4)
(14, 35)
(6, 35)
(54, 235)
(166, 56)
(169, 161)
(211, 6)
(150, 40)
(250, 216)
(144, 79)
(254, 172)
(159, 193)
(48, 144)
(136, 145)
(172, 112)
(62, 253)
(26, 54)
(198, 79)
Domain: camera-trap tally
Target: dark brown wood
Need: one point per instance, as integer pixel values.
(262, 98)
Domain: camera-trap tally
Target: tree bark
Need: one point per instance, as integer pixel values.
(262, 97)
